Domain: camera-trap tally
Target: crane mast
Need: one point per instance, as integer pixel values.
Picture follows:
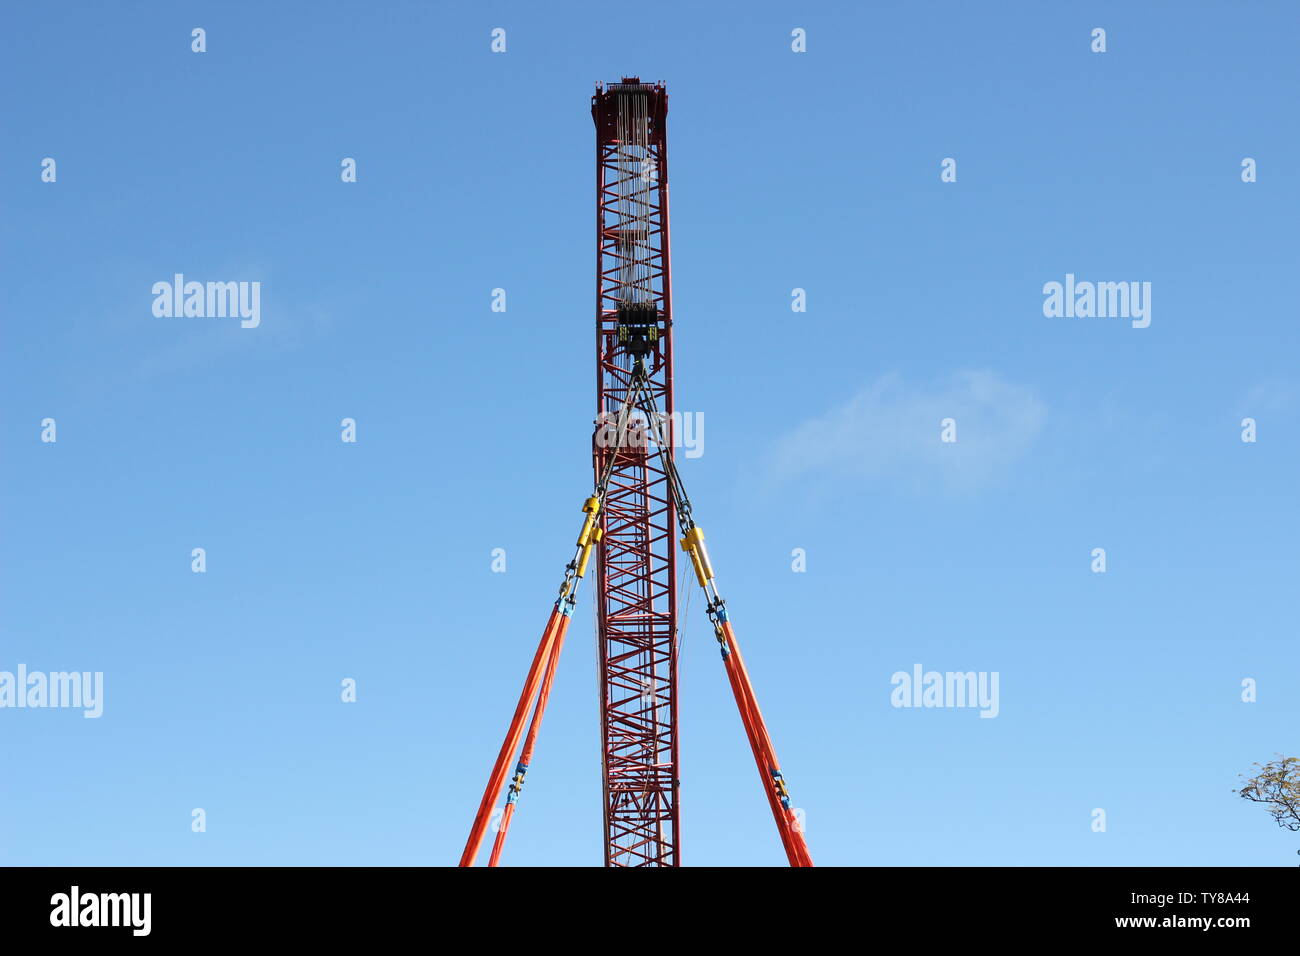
(637, 635)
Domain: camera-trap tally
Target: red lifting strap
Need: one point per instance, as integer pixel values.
(501, 769)
(769, 768)
(530, 742)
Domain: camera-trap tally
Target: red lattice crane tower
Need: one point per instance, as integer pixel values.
(636, 575)
(632, 519)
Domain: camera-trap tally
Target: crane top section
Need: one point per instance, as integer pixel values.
(649, 100)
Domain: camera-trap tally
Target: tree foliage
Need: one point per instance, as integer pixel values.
(1277, 786)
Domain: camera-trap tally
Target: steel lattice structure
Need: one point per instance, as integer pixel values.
(636, 510)
(636, 572)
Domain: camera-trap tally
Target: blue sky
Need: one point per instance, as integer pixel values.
(819, 171)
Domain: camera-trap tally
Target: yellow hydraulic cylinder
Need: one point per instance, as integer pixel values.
(591, 506)
(693, 544)
(586, 551)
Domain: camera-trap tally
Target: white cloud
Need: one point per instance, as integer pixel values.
(891, 431)
(1273, 395)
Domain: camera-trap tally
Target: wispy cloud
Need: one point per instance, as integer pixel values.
(891, 429)
(187, 344)
(1273, 395)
